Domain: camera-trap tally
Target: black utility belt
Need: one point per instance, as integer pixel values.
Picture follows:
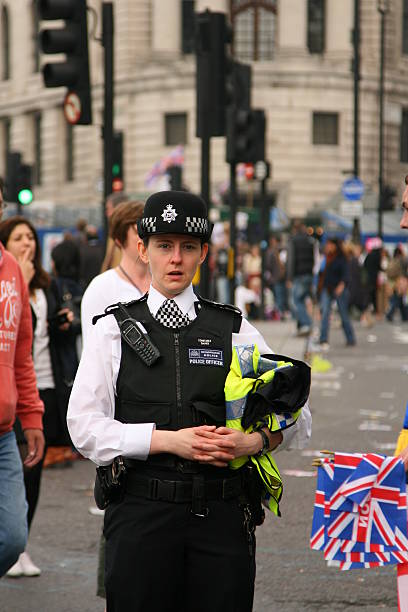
(178, 491)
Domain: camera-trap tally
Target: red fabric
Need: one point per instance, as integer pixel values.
(18, 387)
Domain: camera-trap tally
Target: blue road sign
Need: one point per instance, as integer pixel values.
(353, 189)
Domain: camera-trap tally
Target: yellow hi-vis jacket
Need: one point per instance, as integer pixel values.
(248, 371)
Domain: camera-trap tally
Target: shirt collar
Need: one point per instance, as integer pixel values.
(184, 300)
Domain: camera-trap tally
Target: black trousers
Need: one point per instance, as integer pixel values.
(162, 558)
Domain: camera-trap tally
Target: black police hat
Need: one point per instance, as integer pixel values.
(175, 212)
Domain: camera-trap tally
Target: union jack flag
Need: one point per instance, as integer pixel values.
(360, 512)
(174, 158)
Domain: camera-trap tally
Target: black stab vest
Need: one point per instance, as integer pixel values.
(185, 387)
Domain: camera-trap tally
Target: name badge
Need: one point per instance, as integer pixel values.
(199, 356)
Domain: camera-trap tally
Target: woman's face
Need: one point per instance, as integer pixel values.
(21, 242)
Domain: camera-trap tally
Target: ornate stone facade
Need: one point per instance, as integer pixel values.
(153, 78)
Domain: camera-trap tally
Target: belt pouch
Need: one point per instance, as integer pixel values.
(109, 483)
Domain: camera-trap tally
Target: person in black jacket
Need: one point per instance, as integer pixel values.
(52, 337)
(299, 275)
(334, 286)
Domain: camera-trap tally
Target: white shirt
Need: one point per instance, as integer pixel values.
(105, 289)
(93, 429)
(41, 344)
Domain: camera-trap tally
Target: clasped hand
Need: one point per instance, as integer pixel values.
(218, 446)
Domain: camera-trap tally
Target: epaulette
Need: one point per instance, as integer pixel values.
(221, 306)
(115, 307)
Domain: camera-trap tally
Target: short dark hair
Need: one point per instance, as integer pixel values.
(66, 258)
(1, 184)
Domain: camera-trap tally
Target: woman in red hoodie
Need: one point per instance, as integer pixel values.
(19, 396)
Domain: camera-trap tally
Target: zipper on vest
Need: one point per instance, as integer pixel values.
(178, 378)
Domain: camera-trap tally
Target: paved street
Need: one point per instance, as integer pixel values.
(358, 405)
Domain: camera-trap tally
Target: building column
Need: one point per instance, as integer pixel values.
(339, 24)
(166, 27)
(292, 27)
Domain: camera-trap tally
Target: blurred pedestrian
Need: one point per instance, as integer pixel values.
(51, 325)
(221, 259)
(372, 266)
(91, 255)
(359, 297)
(275, 275)
(80, 232)
(404, 206)
(334, 284)
(252, 263)
(112, 251)
(301, 259)
(127, 281)
(19, 397)
(397, 283)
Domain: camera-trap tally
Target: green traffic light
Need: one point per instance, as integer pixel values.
(25, 196)
(116, 170)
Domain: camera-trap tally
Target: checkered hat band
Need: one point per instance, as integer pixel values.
(149, 224)
(197, 225)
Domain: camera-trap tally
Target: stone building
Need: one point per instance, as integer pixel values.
(301, 54)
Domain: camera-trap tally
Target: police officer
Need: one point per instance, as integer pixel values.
(178, 539)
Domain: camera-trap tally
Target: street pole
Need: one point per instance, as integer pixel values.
(107, 130)
(356, 72)
(264, 243)
(382, 9)
(233, 230)
(205, 194)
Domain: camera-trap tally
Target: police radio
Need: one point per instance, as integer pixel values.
(139, 341)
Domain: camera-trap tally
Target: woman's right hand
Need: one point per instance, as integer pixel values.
(202, 444)
(27, 267)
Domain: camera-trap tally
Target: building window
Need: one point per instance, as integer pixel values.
(5, 44)
(175, 128)
(404, 137)
(405, 27)
(69, 151)
(187, 26)
(325, 128)
(37, 147)
(35, 28)
(254, 26)
(316, 26)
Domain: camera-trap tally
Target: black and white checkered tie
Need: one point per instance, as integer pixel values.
(170, 315)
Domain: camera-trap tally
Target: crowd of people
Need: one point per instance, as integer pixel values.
(305, 276)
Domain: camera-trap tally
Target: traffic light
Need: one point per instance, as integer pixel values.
(175, 177)
(72, 40)
(239, 86)
(117, 162)
(213, 34)
(387, 199)
(245, 135)
(18, 183)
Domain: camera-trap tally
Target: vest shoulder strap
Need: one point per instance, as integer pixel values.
(237, 314)
(116, 308)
